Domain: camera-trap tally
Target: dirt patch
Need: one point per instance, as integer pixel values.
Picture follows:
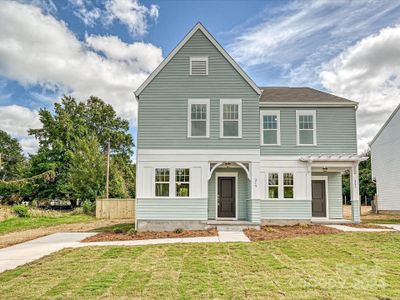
(17, 237)
(145, 235)
(287, 231)
(372, 226)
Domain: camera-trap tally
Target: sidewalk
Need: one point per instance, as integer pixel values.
(21, 254)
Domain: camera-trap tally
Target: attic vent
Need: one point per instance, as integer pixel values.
(199, 66)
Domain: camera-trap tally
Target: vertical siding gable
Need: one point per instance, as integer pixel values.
(163, 104)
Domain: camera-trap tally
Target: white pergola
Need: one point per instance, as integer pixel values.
(339, 163)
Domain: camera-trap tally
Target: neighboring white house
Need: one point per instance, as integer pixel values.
(385, 153)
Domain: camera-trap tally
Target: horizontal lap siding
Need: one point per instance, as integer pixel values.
(171, 209)
(162, 119)
(285, 209)
(335, 207)
(336, 132)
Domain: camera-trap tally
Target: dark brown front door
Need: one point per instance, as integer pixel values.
(318, 199)
(226, 197)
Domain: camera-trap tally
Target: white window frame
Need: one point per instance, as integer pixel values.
(185, 182)
(306, 113)
(285, 185)
(221, 117)
(281, 194)
(268, 185)
(189, 117)
(276, 113)
(155, 182)
(198, 58)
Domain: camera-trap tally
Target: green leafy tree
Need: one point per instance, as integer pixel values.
(13, 163)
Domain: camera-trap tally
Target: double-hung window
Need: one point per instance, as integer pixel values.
(198, 117)
(231, 118)
(162, 182)
(270, 128)
(182, 182)
(288, 184)
(306, 128)
(273, 185)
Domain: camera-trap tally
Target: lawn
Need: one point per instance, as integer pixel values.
(17, 224)
(340, 266)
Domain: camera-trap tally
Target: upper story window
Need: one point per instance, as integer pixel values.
(198, 117)
(162, 182)
(182, 182)
(231, 118)
(306, 128)
(198, 65)
(270, 128)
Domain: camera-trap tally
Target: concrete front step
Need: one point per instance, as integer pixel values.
(331, 221)
(225, 225)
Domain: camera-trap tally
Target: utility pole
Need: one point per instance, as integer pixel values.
(108, 169)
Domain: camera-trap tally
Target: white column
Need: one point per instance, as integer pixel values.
(309, 182)
(255, 192)
(355, 194)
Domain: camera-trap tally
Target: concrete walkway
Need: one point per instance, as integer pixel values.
(23, 253)
(358, 229)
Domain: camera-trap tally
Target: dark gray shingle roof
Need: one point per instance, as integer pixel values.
(299, 94)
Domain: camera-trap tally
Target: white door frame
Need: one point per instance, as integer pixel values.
(226, 174)
(324, 178)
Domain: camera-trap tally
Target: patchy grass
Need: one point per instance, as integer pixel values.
(13, 224)
(117, 227)
(393, 220)
(337, 266)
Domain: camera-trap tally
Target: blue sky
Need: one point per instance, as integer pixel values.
(107, 48)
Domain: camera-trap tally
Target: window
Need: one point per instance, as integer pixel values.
(273, 185)
(198, 117)
(270, 128)
(231, 118)
(288, 183)
(182, 179)
(306, 128)
(198, 65)
(162, 182)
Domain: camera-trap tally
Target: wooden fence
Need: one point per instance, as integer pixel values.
(115, 209)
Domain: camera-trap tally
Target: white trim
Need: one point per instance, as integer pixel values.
(217, 165)
(255, 152)
(384, 125)
(200, 27)
(308, 104)
(189, 117)
(221, 117)
(281, 193)
(154, 182)
(189, 182)
(276, 113)
(306, 113)
(226, 174)
(325, 178)
(198, 58)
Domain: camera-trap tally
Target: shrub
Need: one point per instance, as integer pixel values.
(119, 230)
(179, 230)
(88, 207)
(132, 231)
(77, 211)
(21, 211)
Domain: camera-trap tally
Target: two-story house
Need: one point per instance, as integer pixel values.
(215, 148)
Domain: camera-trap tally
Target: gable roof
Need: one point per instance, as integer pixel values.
(384, 125)
(200, 27)
(301, 95)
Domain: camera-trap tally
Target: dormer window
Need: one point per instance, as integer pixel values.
(198, 65)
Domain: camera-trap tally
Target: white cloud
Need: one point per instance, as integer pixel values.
(132, 14)
(89, 16)
(16, 120)
(37, 49)
(368, 72)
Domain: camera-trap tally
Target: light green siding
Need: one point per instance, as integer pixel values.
(335, 208)
(171, 209)
(163, 104)
(336, 132)
(243, 193)
(285, 209)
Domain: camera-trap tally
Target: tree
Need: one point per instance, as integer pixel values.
(13, 163)
(86, 174)
(62, 135)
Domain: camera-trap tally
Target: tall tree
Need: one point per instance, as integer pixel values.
(13, 163)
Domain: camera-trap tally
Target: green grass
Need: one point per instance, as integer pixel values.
(381, 221)
(338, 266)
(18, 224)
(124, 227)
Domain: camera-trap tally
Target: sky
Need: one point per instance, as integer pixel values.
(107, 48)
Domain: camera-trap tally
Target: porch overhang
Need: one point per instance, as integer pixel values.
(229, 164)
(334, 162)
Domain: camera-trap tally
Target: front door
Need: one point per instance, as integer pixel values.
(318, 199)
(226, 198)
